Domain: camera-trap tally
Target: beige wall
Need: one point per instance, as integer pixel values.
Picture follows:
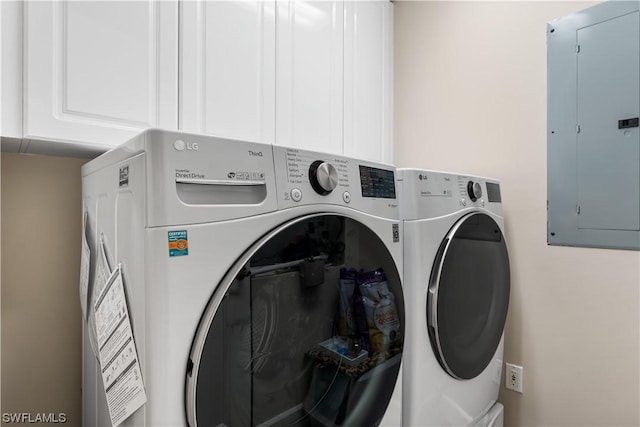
(41, 319)
(470, 96)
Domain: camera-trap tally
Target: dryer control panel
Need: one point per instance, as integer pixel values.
(307, 177)
(429, 194)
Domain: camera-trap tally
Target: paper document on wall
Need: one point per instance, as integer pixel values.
(119, 364)
(85, 262)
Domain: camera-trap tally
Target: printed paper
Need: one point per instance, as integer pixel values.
(85, 262)
(121, 374)
(100, 279)
(102, 273)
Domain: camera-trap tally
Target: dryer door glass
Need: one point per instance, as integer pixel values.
(468, 296)
(297, 335)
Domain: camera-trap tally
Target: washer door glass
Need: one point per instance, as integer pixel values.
(305, 330)
(469, 296)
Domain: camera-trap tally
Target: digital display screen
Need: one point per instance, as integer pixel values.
(377, 183)
(493, 192)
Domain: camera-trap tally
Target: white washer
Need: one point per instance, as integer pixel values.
(456, 284)
(228, 323)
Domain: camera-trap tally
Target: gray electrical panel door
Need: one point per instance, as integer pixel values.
(609, 154)
(593, 135)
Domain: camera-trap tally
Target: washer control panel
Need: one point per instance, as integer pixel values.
(306, 177)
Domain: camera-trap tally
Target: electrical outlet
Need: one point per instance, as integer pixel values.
(513, 378)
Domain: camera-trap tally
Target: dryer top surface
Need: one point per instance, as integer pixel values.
(427, 194)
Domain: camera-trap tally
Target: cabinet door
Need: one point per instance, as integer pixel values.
(11, 73)
(98, 72)
(227, 81)
(368, 87)
(309, 80)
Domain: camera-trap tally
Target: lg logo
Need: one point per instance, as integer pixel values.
(180, 145)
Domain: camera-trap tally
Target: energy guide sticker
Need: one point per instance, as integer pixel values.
(178, 243)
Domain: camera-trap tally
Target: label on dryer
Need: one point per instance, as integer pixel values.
(435, 185)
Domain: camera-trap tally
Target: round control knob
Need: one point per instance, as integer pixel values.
(323, 177)
(474, 190)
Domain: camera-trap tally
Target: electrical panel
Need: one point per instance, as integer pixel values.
(593, 139)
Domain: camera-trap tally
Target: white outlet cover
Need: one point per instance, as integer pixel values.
(513, 377)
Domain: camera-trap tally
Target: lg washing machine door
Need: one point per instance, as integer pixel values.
(468, 296)
(306, 329)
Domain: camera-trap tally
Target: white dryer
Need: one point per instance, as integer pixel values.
(237, 323)
(456, 283)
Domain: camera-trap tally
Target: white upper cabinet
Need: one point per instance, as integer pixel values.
(97, 73)
(227, 57)
(309, 78)
(309, 74)
(334, 77)
(11, 71)
(368, 80)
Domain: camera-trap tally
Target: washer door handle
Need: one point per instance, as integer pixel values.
(199, 181)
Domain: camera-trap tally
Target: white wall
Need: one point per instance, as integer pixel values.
(470, 96)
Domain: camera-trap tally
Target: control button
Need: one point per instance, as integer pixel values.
(323, 177)
(463, 202)
(474, 190)
(296, 194)
(346, 196)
